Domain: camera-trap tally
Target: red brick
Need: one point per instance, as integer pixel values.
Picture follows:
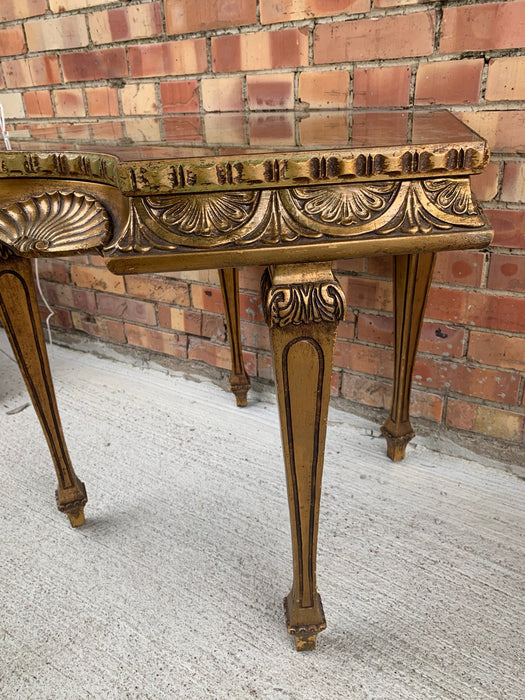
(255, 335)
(460, 267)
(12, 41)
(399, 36)
(509, 227)
(270, 91)
(180, 319)
(97, 278)
(169, 58)
(368, 359)
(60, 318)
(28, 72)
(184, 16)
(372, 328)
(222, 94)
(347, 328)
(251, 307)
(159, 341)
(381, 266)
(102, 101)
(69, 103)
(250, 278)
(54, 270)
(324, 89)
(513, 185)
(94, 65)
(485, 420)
(477, 308)
(504, 130)
(353, 265)
(56, 33)
(57, 6)
(100, 327)
(127, 309)
(449, 82)
(38, 104)
(180, 96)
(506, 78)
(497, 350)
(290, 10)
(21, 9)
(507, 272)
(283, 48)
(394, 3)
(472, 381)
(213, 327)
(158, 289)
(218, 355)
(483, 27)
(265, 367)
(386, 86)
(65, 295)
(126, 23)
(485, 185)
(368, 294)
(207, 298)
(183, 129)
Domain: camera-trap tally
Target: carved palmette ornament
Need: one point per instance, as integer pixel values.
(297, 304)
(54, 223)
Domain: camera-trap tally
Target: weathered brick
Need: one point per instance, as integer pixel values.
(283, 48)
(264, 366)
(59, 5)
(213, 327)
(485, 420)
(368, 294)
(169, 58)
(483, 383)
(68, 32)
(103, 64)
(139, 98)
(102, 101)
(126, 23)
(497, 350)
(394, 3)
(12, 41)
(207, 298)
(481, 309)
(68, 296)
(180, 319)
(21, 9)
(509, 227)
(222, 94)
(385, 86)
(54, 270)
(69, 103)
(28, 72)
(97, 278)
(99, 327)
(485, 185)
(324, 89)
(513, 185)
(506, 78)
(38, 103)
(374, 360)
(158, 289)
(183, 129)
(504, 130)
(398, 36)
(270, 91)
(483, 27)
(180, 96)
(127, 309)
(290, 10)
(61, 318)
(255, 335)
(159, 341)
(218, 355)
(449, 82)
(460, 267)
(251, 307)
(507, 272)
(184, 16)
(13, 105)
(353, 265)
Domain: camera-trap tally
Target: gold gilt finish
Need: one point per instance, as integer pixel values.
(294, 211)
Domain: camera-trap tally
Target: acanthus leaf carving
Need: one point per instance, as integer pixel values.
(54, 223)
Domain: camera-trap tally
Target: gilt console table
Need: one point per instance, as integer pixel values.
(292, 191)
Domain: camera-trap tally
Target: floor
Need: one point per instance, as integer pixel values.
(174, 587)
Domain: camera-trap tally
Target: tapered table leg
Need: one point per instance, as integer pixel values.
(303, 305)
(412, 278)
(21, 320)
(239, 380)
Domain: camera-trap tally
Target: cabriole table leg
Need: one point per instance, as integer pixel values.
(412, 279)
(303, 305)
(21, 320)
(239, 380)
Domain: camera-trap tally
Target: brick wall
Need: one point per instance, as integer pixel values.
(98, 58)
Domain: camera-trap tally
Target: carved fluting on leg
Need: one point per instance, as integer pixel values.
(303, 304)
(21, 320)
(239, 380)
(412, 279)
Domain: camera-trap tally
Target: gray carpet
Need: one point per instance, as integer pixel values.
(173, 589)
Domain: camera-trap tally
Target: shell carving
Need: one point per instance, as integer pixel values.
(54, 223)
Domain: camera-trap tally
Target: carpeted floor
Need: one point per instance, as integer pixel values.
(173, 588)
